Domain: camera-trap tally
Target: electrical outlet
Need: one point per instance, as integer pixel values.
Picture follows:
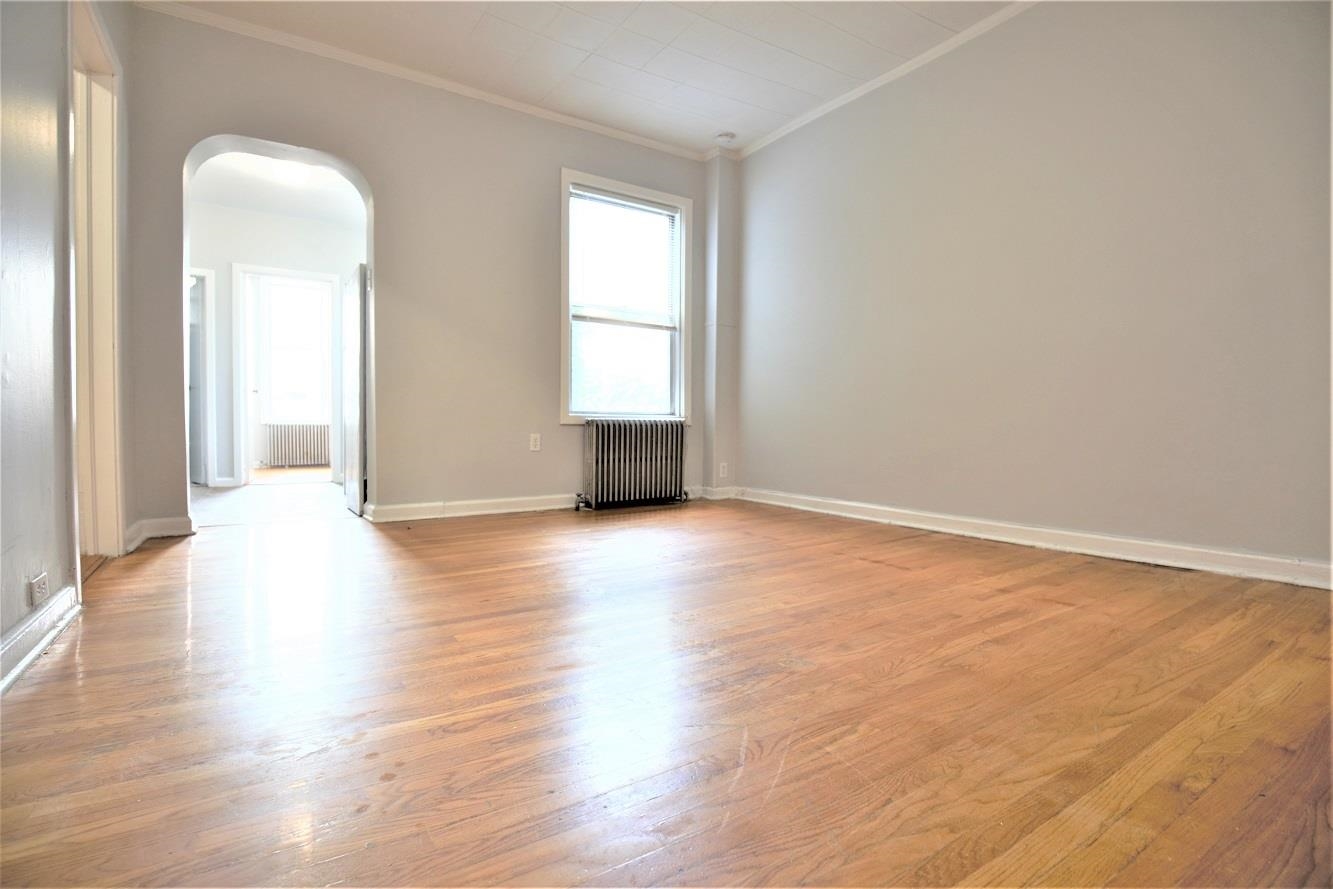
(37, 589)
(535, 441)
(721, 470)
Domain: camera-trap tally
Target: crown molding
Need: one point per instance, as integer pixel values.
(313, 47)
(718, 151)
(957, 40)
(188, 13)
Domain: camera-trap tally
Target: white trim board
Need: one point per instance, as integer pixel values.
(28, 640)
(145, 529)
(407, 512)
(1301, 572)
(94, 241)
(402, 512)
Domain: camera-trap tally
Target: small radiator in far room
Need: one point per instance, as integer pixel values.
(296, 444)
(632, 462)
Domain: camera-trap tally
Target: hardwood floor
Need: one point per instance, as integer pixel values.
(275, 497)
(719, 694)
(88, 565)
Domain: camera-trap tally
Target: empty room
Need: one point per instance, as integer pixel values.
(665, 444)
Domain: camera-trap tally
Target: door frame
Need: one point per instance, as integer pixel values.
(241, 330)
(95, 210)
(208, 340)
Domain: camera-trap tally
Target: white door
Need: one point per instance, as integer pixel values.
(355, 300)
(196, 430)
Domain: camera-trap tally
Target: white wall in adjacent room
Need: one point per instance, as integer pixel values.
(221, 235)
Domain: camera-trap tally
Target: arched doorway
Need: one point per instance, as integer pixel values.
(277, 252)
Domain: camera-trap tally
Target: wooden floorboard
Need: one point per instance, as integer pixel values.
(88, 565)
(716, 694)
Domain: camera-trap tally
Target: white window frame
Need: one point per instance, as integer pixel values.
(681, 361)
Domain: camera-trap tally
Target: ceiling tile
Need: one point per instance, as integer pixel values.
(522, 85)
(887, 25)
(533, 16)
(741, 16)
(502, 36)
(706, 38)
(629, 48)
(584, 98)
(751, 122)
(720, 108)
(661, 122)
(612, 12)
(706, 74)
(819, 41)
(660, 21)
(479, 67)
(622, 77)
(958, 16)
(776, 64)
(578, 30)
(775, 97)
(548, 59)
(527, 82)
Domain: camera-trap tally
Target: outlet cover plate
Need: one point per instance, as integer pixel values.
(38, 589)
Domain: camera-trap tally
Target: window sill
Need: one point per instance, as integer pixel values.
(578, 419)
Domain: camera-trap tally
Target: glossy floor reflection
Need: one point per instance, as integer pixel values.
(714, 694)
(274, 495)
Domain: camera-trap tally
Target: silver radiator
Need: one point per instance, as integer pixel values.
(296, 444)
(632, 462)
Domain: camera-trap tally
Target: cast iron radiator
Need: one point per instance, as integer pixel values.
(296, 444)
(632, 462)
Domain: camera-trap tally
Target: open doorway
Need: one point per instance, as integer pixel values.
(276, 297)
(94, 234)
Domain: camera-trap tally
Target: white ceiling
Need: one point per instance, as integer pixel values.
(678, 73)
(287, 188)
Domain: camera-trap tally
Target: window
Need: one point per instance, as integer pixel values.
(293, 323)
(626, 287)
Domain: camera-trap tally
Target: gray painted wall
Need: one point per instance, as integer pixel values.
(36, 498)
(467, 259)
(1073, 274)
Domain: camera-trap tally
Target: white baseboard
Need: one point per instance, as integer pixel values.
(407, 512)
(1302, 572)
(727, 493)
(146, 528)
(509, 504)
(29, 639)
(402, 512)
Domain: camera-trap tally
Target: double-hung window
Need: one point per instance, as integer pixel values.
(626, 291)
